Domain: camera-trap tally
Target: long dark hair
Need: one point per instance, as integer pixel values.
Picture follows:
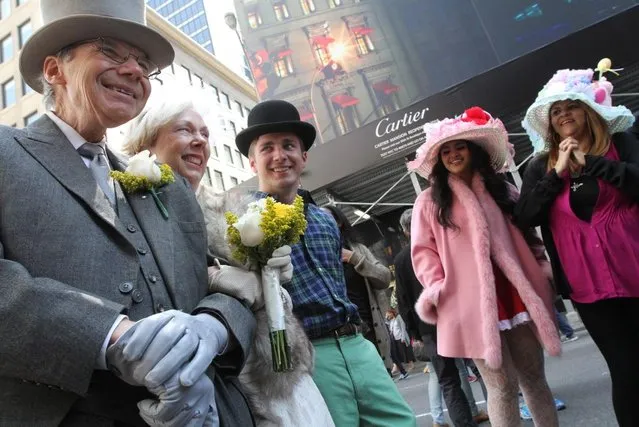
(496, 186)
(348, 233)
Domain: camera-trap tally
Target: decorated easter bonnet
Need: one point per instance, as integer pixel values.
(581, 85)
(475, 125)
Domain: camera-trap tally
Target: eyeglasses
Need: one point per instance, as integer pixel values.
(119, 54)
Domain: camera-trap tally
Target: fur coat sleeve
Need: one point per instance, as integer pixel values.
(426, 260)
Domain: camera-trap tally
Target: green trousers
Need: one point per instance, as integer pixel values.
(357, 388)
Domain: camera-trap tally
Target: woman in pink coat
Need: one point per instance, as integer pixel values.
(485, 288)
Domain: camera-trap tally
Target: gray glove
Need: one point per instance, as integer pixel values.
(281, 259)
(159, 346)
(179, 406)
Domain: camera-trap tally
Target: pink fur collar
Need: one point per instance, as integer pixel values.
(490, 232)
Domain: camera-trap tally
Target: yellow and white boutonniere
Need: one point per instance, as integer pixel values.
(144, 174)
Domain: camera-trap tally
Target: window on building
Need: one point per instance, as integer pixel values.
(24, 32)
(334, 3)
(5, 8)
(216, 93)
(308, 6)
(254, 18)
(20, 2)
(281, 11)
(238, 107)
(30, 118)
(227, 100)
(7, 48)
(239, 157)
(321, 54)
(364, 44)
(233, 128)
(247, 111)
(8, 93)
(347, 119)
(209, 181)
(213, 149)
(198, 81)
(284, 66)
(228, 154)
(234, 181)
(219, 181)
(26, 89)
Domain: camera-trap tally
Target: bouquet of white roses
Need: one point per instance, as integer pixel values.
(266, 226)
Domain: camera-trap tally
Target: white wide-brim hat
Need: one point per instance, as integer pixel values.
(575, 85)
(71, 21)
(474, 125)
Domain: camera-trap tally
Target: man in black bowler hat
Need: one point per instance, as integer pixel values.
(348, 369)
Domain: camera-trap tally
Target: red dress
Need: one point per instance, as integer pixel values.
(511, 309)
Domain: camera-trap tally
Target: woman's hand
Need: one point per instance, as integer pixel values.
(568, 147)
(346, 255)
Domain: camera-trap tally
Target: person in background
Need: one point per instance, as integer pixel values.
(443, 370)
(582, 191)
(565, 328)
(462, 234)
(399, 338)
(367, 280)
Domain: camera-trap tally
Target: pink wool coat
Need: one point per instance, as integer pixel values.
(454, 266)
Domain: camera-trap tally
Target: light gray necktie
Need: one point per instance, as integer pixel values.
(99, 167)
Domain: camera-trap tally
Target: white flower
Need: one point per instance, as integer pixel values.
(143, 164)
(257, 206)
(249, 227)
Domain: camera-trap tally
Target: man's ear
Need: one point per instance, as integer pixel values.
(52, 70)
(252, 163)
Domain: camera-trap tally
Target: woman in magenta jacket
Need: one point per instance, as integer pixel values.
(583, 191)
(486, 290)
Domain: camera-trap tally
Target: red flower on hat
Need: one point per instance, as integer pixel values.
(476, 115)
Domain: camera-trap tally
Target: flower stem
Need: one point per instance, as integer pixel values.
(280, 352)
(159, 204)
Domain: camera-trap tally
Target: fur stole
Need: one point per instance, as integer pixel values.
(260, 383)
(491, 235)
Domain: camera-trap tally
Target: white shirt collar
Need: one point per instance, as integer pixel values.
(72, 135)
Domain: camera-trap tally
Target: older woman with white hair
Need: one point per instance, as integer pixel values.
(176, 132)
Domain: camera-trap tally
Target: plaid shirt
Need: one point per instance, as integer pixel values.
(318, 289)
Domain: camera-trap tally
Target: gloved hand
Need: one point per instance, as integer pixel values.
(281, 259)
(181, 406)
(159, 346)
(237, 282)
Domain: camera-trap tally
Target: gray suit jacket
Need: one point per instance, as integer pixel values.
(63, 255)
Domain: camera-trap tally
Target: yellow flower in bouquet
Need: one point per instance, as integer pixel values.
(266, 226)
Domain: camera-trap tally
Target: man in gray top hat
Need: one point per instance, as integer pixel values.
(104, 313)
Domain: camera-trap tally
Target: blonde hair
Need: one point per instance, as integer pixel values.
(598, 132)
(143, 130)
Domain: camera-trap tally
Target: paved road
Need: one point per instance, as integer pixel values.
(580, 378)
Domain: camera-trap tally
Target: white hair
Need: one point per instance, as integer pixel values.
(404, 220)
(143, 130)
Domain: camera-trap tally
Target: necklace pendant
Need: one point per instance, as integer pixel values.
(575, 186)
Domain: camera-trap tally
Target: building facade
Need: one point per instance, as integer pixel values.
(225, 97)
(337, 61)
(189, 16)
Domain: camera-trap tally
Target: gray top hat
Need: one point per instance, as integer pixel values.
(70, 21)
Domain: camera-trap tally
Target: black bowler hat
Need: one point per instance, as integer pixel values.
(274, 116)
